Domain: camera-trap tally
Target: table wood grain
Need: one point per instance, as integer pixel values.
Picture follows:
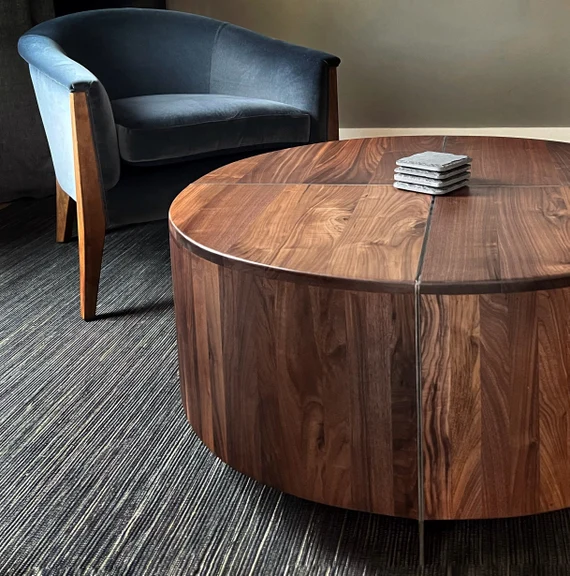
(375, 349)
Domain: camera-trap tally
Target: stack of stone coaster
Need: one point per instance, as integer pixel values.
(432, 172)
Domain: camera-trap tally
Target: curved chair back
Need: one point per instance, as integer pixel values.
(112, 54)
(137, 52)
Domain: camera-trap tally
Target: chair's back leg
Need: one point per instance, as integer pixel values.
(65, 214)
(332, 127)
(90, 210)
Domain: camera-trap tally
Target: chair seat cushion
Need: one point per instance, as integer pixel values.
(165, 127)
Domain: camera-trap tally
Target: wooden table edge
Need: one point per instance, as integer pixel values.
(286, 275)
(499, 286)
(494, 286)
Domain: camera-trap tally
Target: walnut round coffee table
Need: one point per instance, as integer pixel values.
(380, 350)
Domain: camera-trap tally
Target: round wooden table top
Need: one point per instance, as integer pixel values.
(328, 213)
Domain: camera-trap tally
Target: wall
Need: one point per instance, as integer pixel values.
(417, 63)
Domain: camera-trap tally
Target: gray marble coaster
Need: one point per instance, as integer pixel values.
(434, 161)
(431, 181)
(429, 189)
(431, 174)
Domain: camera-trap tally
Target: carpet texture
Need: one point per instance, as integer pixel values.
(100, 474)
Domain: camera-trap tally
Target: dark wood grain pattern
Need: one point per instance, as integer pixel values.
(381, 336)
(90, 210)
(364, 234)
(300, 277)
(496, 399)
(510, 161)
(264, 366)
(451, 405)
(66, 212)
(499, 239)
(359, 161)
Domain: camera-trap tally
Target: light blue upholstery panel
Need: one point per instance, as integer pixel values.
(177, 126)
(54, 105)
(55, 77)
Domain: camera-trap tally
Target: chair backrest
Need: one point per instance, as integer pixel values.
(135, 52)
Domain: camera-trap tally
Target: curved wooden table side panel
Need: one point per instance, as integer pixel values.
(496, 401)
(266, 367)
(299, 277)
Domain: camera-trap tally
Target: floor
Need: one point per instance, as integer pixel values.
(100, 474)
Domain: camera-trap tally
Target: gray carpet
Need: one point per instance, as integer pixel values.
(100, 474)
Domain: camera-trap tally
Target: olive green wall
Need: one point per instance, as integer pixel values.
(419, 63)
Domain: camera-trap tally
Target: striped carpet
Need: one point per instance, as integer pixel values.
(100, 474)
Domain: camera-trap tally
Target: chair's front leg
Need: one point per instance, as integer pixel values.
(90, 210)
(65, 213)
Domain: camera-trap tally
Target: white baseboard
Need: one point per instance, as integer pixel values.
(560, 134)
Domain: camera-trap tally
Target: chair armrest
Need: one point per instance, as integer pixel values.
(55, 76)
(248, 64)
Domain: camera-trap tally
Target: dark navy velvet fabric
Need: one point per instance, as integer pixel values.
(247, 64)
(134, 52)
(177, 126)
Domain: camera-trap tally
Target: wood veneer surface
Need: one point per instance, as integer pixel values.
(496, 398)
(264, 366)
(329, 211)
(381, 350)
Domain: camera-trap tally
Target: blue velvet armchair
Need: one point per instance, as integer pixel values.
(138, 103)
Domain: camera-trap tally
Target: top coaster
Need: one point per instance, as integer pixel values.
(434, 161)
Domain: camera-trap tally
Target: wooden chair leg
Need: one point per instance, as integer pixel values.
(332, 128)
(90, 210)
(66, 212)
(91, 242)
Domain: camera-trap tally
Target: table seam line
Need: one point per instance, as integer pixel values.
(418, 378)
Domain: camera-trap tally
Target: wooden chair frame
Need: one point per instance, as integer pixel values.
(89, 206)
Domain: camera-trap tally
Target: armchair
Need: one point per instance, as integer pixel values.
(137, 103)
